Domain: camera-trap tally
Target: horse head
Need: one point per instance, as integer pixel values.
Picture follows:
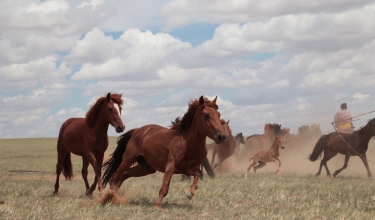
(240, 138)
(279, 142)
(112, 111)
(209, 121)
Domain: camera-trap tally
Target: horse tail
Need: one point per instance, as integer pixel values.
(317, 151)
(67, 169)
(208, 168)
(114, 162)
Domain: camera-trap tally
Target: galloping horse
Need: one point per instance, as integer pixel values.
(257, 142)
(178, 150)
(87, 137)
(271, 155)
(225, 149)
(332, 144)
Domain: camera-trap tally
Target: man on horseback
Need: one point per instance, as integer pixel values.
(343, 120)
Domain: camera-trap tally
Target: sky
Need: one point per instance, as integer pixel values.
(287, 62)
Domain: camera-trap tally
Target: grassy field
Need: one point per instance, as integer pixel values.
(291, 195)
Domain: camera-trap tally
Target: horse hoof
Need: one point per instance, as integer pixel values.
(371, 177)
(188, 194)
(55, 193)
(88, 192)
(245, 175)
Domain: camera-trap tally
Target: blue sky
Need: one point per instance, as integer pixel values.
(269, 62)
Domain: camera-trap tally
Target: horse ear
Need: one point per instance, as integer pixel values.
(108, 97)
(240, 133)
(228, 122)
(121, 95)
(214, 101)
(201, 100)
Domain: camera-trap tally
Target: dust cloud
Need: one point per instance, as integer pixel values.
(295, 160)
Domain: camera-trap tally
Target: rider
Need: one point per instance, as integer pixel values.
(343, 120)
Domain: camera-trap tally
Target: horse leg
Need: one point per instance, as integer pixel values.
(213, 158)
(98, 170)
(347, 156)
(320, 168)
(169, 171)
(99, 162)
(137, 171)
(364, 160)
(328, 154)
(85, 165)
(260, 165)
(277, 165)
(250, 166)
(191, 191)
(116, 179)
(61, 154)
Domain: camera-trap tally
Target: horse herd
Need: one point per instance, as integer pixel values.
(182, 149)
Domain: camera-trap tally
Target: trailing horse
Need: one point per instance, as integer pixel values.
(355, 144)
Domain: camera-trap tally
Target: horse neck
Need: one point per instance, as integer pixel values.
(101, 126)
(365, 138)
(194, 139)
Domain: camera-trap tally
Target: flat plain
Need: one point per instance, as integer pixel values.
(27, 177)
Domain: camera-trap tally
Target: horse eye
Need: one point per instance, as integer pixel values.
(206, 116)
(110, 109)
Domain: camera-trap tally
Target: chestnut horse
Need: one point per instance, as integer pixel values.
(257, 142)
(334, 143)
(225, 149)
(271, 155)
(178, 150)
(87, 137)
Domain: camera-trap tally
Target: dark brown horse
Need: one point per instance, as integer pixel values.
(178, 150)
(225, 149)
(270, 155)
(87, 137)
(355, 144)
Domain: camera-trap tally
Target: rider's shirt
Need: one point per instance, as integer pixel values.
(343, 121)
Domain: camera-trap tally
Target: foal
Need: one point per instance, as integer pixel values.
(271, 155)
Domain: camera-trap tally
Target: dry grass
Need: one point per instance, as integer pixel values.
(295, 194)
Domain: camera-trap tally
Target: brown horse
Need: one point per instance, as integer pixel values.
(334, 143)
(87, 137)
(257, 142)
(225, 149)
(271, 155)
(178, 150)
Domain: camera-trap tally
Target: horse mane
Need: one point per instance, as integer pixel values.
(277, 129)
(363, 129)
(176, 121)
(185, 123)
(93, 112)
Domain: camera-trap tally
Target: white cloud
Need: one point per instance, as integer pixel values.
(182, 12)
(279, 84)
(361, 96)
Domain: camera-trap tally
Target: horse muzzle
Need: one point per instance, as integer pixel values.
(220, 138)
(120, 128)
(282, 147)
